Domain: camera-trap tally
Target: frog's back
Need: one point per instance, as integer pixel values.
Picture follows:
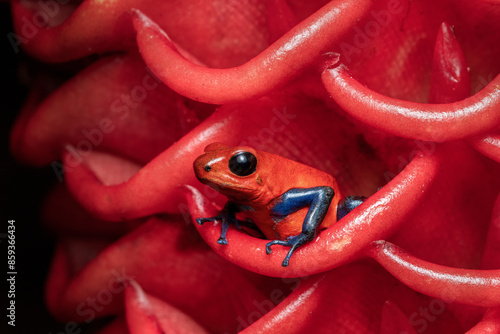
(280, 176)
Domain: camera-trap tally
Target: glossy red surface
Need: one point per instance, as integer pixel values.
(342, 86)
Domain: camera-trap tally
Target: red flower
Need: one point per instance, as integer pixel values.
(392, 98)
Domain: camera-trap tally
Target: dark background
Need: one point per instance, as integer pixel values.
(22, 190)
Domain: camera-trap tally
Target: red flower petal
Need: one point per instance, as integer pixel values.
(491, 255)
(489, 145)
(114, 100)
(489, 324)
(186, 275)
(258, 123)
(465, 286)
(450, 80)
(431, 122)
(57, 32)
(349, 299)
(272, 68)
(149, 315)
(440, 208)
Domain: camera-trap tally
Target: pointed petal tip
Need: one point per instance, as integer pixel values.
(137, 14)
(331, 60)
(141, 21)
(447, 30)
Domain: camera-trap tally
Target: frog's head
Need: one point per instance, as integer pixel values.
(232, 171)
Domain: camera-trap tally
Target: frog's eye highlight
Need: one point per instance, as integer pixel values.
(243, 163)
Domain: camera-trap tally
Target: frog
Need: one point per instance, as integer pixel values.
(289, 202)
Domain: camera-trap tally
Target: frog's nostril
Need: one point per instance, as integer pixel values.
(208, 168)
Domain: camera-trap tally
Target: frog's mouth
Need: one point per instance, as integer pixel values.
(224, 187)
(234, 192)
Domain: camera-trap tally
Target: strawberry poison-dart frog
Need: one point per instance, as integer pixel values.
(288, 201)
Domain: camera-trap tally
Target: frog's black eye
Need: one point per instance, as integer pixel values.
(243, 163)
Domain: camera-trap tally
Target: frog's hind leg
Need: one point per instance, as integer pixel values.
(348, 204)
(318, 199)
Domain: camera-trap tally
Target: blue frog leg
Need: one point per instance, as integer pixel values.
(226, 217)
(348, 204)
(318, 199)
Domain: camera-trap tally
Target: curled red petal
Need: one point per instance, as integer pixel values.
(73, 35)
(58, 31)
(466, 286)
(141, 317)
(379, 215)
(429, 122)
(287, 128)
(153, 189)
(346, 300)
(271, 68)
(489, 145)
(450, 80)
(491, 254)
(149, 315)
(113, 105)
(489, 324)
(168, 259)
(324, 302)
(441, 228)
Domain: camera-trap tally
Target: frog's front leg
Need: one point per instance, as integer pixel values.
(318, 199)
(226, 217)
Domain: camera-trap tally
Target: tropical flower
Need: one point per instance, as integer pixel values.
(398, 100)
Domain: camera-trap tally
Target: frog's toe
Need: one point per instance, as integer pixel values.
(202, 221)
(222, 241)
(275, 242)
(293, 242)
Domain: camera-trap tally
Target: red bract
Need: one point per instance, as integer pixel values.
(438, 122)
(279, 63)
(398, 100)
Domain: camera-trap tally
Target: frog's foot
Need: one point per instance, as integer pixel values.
(225, 224)
(348, 204)
(226, 218)
(293, 242)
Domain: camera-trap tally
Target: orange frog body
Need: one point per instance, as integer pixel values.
(287, 200)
